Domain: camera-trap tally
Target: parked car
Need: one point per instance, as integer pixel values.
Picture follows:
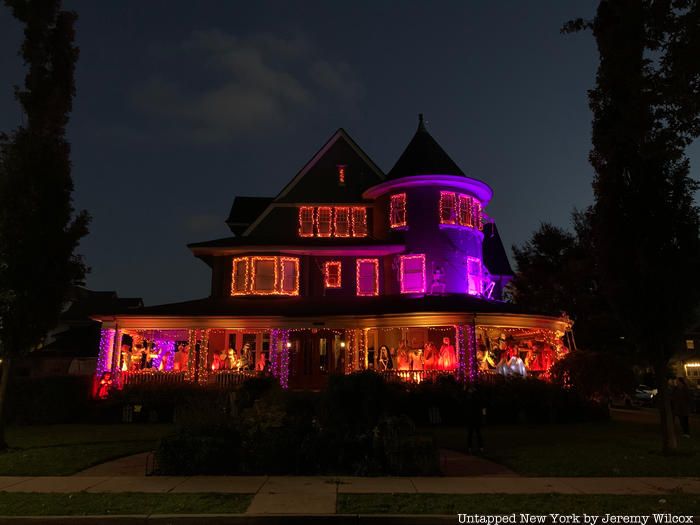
(645, 394)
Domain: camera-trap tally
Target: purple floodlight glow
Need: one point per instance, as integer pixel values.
(480, 190)
(471, 352)
(104, 359)
(284, 359)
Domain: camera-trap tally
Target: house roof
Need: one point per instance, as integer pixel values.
(244, 211)
(321, 306)
(423, 156)
(495, 257)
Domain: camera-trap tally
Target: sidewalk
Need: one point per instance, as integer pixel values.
(317, 495)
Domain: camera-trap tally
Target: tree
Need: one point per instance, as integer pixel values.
(646, 110)
(556, 272)
(39, 229)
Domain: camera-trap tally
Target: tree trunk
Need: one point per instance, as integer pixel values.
(668, 431)
(4, 381)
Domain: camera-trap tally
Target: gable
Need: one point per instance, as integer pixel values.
(318, 181)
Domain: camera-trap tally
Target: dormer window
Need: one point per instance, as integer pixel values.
(412, 273)
(397, 211)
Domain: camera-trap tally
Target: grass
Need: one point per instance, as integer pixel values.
(61, 450)
(515, 503)
(628, 445)
(84, 504)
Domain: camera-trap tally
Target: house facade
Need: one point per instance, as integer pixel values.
(346, 269)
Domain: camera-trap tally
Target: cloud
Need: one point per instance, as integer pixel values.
(203, 223)
(227, 86)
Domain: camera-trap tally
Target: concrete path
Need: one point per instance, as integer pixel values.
(127, 466)
(459, 464)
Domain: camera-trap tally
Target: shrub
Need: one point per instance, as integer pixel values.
(50, 400)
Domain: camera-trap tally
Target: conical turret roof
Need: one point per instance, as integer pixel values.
(423, 156)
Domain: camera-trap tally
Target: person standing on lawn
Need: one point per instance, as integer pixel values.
(680, 401)
(475, 411)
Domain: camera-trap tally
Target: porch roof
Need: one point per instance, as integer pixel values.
(252, 306)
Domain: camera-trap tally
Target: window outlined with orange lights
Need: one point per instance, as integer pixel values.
(341, 174)
(333, 221)
(306, 221)
(265, 275)
(332, 274)
(397, 211)
(465, 210)
(324, 221)
(412, 273)
(367, 277)
(458, 209)
(239, 277)
(448, 207)
(359, 221)
(341, 221)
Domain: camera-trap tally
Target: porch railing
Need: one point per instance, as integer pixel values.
(228, 378)
(414, 376)
(140, 377)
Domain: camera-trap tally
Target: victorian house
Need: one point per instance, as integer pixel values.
(347, 268)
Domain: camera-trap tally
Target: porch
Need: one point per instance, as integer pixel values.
(304, 358)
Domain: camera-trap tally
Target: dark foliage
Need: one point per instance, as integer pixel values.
(646, 111)
(39, 230)
(50, 400)
(557, 272)
(360, 425)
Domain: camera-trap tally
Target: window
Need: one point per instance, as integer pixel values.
(261, 275)
(306, 221)
(289, 272)
(476, 215)
(341, 174)
(341, 222)
(412, 273)
(448, 207)
(332, 221)
(465, 210)
(367, 276)
(332, 274)
(359, 222)
(324, 215)
(460, 210)
(474, 276)
(397, 211)
(239, 285)
(264, 277)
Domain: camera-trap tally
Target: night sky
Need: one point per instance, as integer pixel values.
(183, 105)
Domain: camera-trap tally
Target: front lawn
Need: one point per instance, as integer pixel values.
(85, 504)
(485, 504)
(61, 450)
(628, 445)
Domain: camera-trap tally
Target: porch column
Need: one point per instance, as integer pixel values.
(284, 359)
(104, 358)
(362, 350)
(473, 366)
(274, 353)
(350, 351)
